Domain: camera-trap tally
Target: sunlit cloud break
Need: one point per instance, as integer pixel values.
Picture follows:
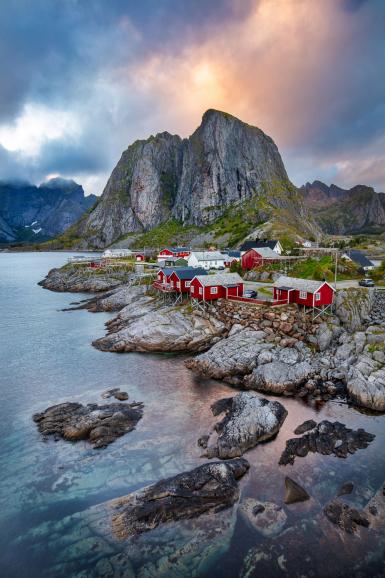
(106, 75)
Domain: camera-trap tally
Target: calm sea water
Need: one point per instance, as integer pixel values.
(48, 490)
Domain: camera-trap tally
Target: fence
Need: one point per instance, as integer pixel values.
(258, 301)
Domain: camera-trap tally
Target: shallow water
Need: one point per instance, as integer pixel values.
(48, 490)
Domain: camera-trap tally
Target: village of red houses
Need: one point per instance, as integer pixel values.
(207, 275)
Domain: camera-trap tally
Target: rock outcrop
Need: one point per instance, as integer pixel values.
(77, 280)
(99, 424)
(353, 307)
(249, 420)
(345, 517)
(207, 488)
(326, 438)
(294, 492)
(166, 329)
(225, 163)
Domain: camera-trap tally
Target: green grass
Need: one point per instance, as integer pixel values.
(165, 234)
(323, 268)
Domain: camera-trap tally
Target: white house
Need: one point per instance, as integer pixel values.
(359, 259)
(117, 253)
(207, 259)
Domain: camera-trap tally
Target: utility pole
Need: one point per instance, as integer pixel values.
(335, 269)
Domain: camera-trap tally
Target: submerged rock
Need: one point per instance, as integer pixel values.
(326, 438)
(116, 393)
(210, 487)
(266, 518)
(249, 420)
(345, 517)
(346, 489)
(294, 492)
(99, 424)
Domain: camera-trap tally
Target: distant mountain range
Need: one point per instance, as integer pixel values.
(226, 166)
(30, 214)
(339, 211)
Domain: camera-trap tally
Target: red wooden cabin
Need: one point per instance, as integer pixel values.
(304, 292)
(220, 286)
(173, 252)
(256, 257)
(181, 278)
(140, 257)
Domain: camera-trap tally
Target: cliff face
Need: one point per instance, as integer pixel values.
(339, 211)
(224, 163)
(32, 214)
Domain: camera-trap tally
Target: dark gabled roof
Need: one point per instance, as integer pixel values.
(359, 258)
(258, 244)
(283, 288)
(176, 249)
(188, 273)
(168, 270)
(234, 254)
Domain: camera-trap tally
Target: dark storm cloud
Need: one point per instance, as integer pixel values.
(308, 73)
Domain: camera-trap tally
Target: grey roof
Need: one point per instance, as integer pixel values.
(267, 253)
(168, 270)
(258, 244)
(225, 279)
(234, 254)
(209, 255)
(177, 249)
(300, 284)
(189, 272)
(359, 258)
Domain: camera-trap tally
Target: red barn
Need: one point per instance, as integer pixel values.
(222, 285)
(175, 252)
(181, 278)
(256, 257)
(140, 257)
(304, 292)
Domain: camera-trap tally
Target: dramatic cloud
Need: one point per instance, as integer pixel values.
(81, 80)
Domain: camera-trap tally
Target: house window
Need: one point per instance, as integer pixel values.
(318, 296)
(214, 290)
(303, 295)
(178, 284)
(188, 283)
(200, 291)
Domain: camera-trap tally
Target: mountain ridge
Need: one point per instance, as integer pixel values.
(30, 213)
(345, 211)
(223, 166)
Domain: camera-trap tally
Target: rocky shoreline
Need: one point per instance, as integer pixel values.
(281, 351)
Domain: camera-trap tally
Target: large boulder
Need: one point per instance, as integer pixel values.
(210, 487)
(232, 358)
(367, 390)
(99, 424)
(164, 330)
(279, 377)
(353, 307)
(249, 420)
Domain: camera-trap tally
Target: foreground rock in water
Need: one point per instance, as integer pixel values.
(294, 492)
(210, 487)
(77, 280)
(99, 424)
(346, 517)
(165, 329)
(326, 438)
(249, 420)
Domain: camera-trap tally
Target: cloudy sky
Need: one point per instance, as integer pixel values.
(82, 79)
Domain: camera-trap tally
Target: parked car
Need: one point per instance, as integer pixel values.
(250, 294)
(366, 282)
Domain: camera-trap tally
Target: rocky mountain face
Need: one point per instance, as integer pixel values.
(339, 211)
(224, 164)
(34, 214)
